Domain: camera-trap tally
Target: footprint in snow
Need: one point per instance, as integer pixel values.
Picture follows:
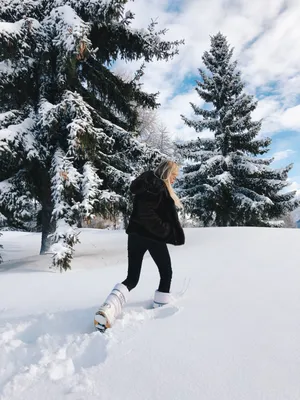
(165, 312)
(145, 311)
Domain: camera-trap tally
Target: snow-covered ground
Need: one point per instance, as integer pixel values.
(234, 334)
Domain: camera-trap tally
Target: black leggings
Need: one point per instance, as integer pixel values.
(137, 247)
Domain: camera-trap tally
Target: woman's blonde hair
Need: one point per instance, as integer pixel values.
(164, 171)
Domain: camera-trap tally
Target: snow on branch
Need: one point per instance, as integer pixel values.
(11, 29)
(14, 199)
(82, 125)
(86, 187)
(8, 118)
(100, 9)
(19, 41)
(14, 10)
(65, 237)
(70, 33)
(83, 137)
(64, 178)
(19, 135)
(90, 188)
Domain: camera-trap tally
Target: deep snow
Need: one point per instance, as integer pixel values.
(233, 335)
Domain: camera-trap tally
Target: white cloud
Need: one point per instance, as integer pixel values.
(289, 89)
(171, 113)
(273, 55)
(281, 155)
(177, 106)
(268, 110)
(265, 35)
(290, 118)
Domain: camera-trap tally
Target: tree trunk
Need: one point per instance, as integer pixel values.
(47, 227)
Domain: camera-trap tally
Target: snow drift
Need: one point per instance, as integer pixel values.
(232, 333)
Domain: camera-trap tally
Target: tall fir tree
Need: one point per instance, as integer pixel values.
(65, 117)
(224, 182)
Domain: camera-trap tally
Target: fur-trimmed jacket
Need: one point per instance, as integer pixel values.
(154, 213)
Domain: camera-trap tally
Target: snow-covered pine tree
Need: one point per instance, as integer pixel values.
(65, 116)
(224, 182)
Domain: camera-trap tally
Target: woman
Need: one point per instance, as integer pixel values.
(153, 223)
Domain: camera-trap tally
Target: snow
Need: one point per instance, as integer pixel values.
(90, 189)
(5, 186)
(225, 178)
(233, 334)
(69, 28)
(11, 28)
(6, 67)
(20, 133)
(6, 115)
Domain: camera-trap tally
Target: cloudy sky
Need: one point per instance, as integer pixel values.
(265, 35)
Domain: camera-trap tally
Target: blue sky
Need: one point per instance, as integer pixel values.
(265, 36)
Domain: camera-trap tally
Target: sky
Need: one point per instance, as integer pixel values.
(265, 36)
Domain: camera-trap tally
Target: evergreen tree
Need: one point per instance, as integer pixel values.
(65, 116)
(224, 182)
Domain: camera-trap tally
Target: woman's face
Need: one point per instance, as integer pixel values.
(173, 176)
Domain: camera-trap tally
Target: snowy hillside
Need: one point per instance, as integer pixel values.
(232, 333)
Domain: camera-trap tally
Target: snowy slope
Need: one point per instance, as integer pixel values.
(233, 335)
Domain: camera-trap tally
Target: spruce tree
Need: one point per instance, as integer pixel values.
(225, 182)
(65, 117)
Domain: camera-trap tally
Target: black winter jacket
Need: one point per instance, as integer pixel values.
(154, 213)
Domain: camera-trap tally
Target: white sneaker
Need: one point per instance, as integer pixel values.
(161, 299)
(111, 308)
